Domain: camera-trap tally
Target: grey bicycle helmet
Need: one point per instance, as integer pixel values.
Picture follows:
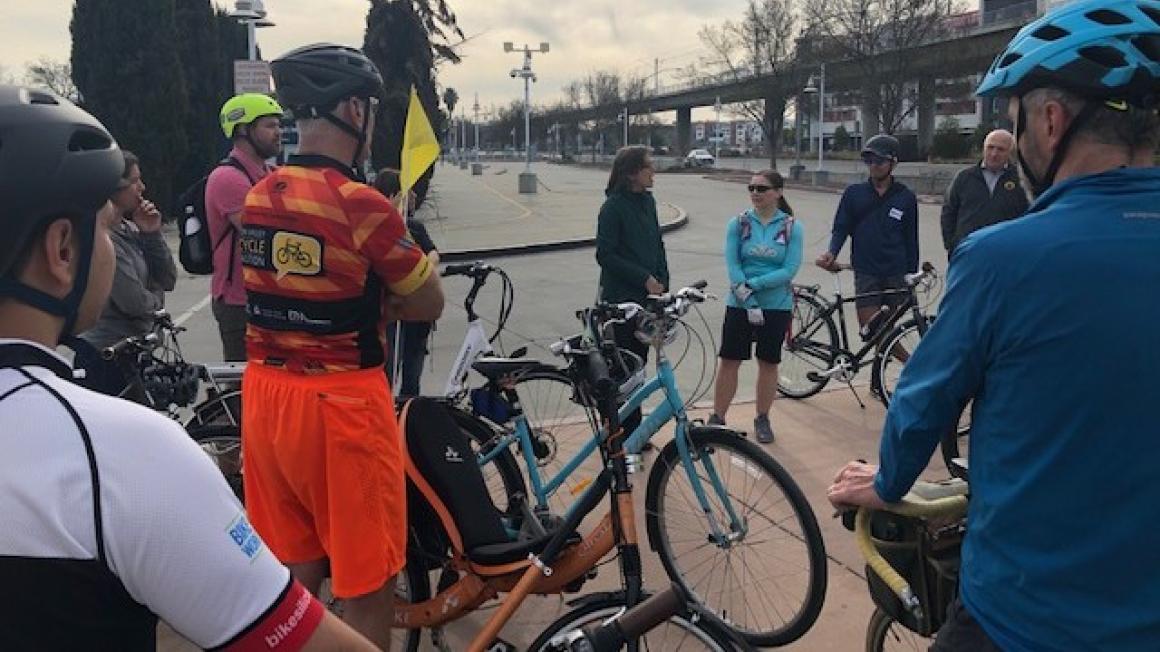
(56, 161)
(321, 75)
(883, 145)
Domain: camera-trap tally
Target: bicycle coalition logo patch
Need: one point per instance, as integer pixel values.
(295, 253)
(244, 536)
(1009, 185)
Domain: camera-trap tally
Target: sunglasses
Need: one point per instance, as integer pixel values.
(874, 159)
(757, 188)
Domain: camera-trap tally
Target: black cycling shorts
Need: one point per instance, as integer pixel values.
(738, 335)
(869, 285)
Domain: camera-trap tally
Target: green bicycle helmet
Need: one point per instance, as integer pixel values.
(244, 109)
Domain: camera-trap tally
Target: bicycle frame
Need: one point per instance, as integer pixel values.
(475, 344)
(672, 407)
(893, 317)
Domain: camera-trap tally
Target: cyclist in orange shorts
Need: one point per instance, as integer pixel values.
(326, 261)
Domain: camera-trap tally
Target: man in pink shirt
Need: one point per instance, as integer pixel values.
(253, 122)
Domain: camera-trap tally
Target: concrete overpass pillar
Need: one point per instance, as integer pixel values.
(870, 118)
(684, 130)
(926, 115)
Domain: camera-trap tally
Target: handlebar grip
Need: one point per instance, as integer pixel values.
(927, 267)
(113, 350)
(456, 270)
(643, 617)
(699, 285)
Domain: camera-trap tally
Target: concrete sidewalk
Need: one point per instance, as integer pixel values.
(478, 216)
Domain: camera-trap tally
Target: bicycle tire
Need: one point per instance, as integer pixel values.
(810, 347)
(502, 475)
(223, 445)
(678, 633)
(721, 588)
(559, 427)
(887, 368)
(223, 409)
(883, 630)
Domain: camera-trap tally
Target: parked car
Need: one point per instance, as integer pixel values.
(699, 158)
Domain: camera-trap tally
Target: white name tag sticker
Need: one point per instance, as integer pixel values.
(896, 213)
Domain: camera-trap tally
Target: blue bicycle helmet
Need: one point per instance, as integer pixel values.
(1105, 49)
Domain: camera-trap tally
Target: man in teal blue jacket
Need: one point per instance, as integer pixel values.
(1049, 324)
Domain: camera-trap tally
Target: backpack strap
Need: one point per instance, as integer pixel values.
(231, 230)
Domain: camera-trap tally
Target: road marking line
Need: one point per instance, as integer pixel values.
(184, 317)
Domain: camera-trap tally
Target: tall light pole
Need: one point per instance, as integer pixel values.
(527, 177)
(717, 130)
(820, 89)
(624, 116)
(475, 112)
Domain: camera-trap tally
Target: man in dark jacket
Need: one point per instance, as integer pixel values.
(880, 216)
(983, 194)
(628, 244)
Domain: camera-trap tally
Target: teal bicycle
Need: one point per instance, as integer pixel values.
(728, 522)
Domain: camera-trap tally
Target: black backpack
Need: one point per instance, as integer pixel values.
(196, 251)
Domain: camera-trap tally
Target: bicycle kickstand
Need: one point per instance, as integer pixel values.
(850, 384)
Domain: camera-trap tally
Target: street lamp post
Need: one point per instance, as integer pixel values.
(527, 177)
(717, 130)
(820, 89)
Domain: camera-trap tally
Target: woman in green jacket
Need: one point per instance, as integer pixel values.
(629, 249)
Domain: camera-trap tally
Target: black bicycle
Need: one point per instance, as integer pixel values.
(817, 349)
(206, 399)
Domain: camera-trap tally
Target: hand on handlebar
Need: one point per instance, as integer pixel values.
(853, 486)
(653, 286)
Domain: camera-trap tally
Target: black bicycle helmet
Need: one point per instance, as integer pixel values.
(321, 75)
(883, 145)
(56, 161)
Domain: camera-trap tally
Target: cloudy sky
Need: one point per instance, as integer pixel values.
(585, 35)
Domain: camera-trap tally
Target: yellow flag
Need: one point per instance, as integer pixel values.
(420, 147)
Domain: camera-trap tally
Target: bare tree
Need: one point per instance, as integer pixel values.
(6, 77)
(761, 43)
(54, 75)
(877, 35)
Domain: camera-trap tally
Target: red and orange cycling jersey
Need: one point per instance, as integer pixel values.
(319, 251)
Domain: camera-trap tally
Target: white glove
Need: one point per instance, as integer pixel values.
(742, 291)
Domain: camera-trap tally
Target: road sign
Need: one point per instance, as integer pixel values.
(251, 76)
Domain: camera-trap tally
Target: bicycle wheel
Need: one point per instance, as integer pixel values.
(223, 445)
(892, 355)
(677, 633)
(768, 578)
(884, 634)
(559, 428)
(502, 475)
(809, 347)
(223, 409)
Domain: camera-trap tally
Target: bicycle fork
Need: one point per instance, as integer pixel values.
(737, 528)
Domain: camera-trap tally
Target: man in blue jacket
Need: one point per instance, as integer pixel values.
(1064, 521)
(880, 216)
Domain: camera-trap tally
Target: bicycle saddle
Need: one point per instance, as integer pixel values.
(495, 368)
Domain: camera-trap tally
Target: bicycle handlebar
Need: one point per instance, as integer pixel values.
(473, 270)
(952, 506)
(113, 351)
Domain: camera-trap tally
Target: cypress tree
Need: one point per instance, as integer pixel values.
(129, 74)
